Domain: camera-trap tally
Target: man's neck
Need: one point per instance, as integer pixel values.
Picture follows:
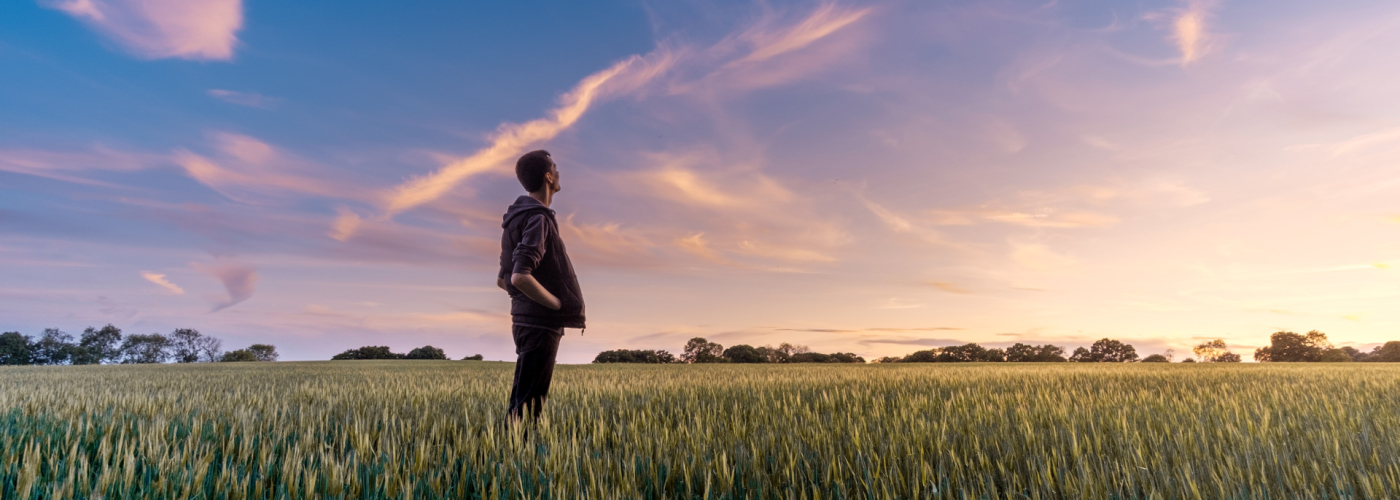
(543, 196)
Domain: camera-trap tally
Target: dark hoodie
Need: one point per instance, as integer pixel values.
(531, 245)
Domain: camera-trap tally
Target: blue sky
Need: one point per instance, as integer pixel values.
(873, 177)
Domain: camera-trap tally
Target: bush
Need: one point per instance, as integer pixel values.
(426, 352)
(1156, 358)
(474, 357)
(368, 352)
(744, 353)
(239, 355)
(635, 356)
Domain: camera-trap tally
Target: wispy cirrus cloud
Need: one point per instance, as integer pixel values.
(70, 166)
(249, 170)
(1189, 31)
(159, 279)
(250, 99)
(512, 139)
(159, 29)
(765, 41)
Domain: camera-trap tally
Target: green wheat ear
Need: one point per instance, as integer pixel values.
(432, 430)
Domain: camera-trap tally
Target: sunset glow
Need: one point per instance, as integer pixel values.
(867, 177)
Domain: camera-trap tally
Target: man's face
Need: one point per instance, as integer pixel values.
(552, 178)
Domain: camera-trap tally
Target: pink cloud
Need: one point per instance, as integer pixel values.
(238, 280)
(160, 29)
(251, 171)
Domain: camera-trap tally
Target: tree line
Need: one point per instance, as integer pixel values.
(700, 350)
(107, 345)
(1289, 347)
(383, 352)
(1284, 346)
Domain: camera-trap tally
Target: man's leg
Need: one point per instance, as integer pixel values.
(535, 350)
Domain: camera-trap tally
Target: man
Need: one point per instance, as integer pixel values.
(536, 272)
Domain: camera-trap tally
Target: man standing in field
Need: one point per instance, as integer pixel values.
(536, 272)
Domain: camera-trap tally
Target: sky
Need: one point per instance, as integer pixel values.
(868, 177)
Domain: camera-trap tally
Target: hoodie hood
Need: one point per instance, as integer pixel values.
(525, 205)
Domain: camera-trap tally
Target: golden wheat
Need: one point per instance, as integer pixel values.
(424, 429)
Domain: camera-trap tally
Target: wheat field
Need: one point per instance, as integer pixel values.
(433, 429)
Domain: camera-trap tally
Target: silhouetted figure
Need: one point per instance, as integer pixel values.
(536, 272)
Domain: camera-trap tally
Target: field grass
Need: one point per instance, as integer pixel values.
(426, 429)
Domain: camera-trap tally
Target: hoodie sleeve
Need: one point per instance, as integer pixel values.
(530, 250)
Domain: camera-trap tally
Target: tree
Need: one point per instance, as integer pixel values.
(1105, 351)
(238, 355)
(1215, 351)
(1022, 353)
(474, 357)
(1335, 356)
(53, 348)
(142, 349)
(368, 352)
(924, 356)
(1387, 353)
(210, 348)
(264, 352)
(699, 350)
(773, 354)
(1156, 358)
(1081, 355)
(810, 357)
(15, 349)
(1208, 351)
(744, 353)
(98, 346)
(969, 353)
(185, 345)
(1289, 347)
(846, 357)
(426, 352)
(1188, 360)
(888, 359)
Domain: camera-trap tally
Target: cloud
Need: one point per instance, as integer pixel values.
(238, 280)
(607, 243)
(777, 50)
(909, 341)
(696, 244)
(159, 279)
(895, 221)
(250, 99)
(510, 140)
(64, 166)
(251, 171)
(872, 329)
(345, 224)
(158, 29)
(1189, 32)
(1042, 218)
(823, 21)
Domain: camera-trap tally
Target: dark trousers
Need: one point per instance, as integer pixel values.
(535, 349)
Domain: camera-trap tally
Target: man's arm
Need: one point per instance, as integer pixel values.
(527, 255)
(531, 288)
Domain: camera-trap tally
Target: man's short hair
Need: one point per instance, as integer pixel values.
(531, 167)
